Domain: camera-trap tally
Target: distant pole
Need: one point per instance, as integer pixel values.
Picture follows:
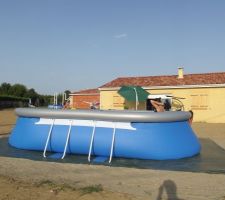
(63, 98)
(56, 98)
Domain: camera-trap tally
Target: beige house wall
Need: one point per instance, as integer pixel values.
(208, 104)
(111, 100)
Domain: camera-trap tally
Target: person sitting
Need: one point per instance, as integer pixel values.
(191, 118)
(167, 105)
(159, 106)
(66, 105)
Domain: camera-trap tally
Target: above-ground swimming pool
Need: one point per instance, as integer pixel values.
(55, 106)
(128, 134)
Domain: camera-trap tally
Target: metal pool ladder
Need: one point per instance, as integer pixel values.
(92, 139)
(67, 139)
(113, 141)
(49, 136)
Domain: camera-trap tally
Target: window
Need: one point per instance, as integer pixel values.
(199, 102)
(118, 101)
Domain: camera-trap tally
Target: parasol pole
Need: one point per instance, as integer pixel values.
(136, 98)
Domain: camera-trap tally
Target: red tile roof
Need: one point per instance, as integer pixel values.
(87, 91)
(172, 80)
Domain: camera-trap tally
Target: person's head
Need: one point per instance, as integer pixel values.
(191, 118)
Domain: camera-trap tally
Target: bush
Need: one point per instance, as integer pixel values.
(7, 101)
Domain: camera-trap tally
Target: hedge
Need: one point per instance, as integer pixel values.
(7, 101)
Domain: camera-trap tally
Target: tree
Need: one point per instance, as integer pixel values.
(32, 94)
(4, 88)
(18, 90)
(67, 92)
(45, 100)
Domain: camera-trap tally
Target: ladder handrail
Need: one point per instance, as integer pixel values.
(113, 140)
(92, 139)
(48, 138)
(67, 139)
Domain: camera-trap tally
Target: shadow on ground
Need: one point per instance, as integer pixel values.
(169, 187)
(210, 160)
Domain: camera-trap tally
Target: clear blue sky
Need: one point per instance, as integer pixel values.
(54, 45)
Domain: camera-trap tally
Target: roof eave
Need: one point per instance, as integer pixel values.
(169, 87)
(84, 94)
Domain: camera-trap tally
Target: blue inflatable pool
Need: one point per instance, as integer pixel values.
(55, 106)
(128, 134)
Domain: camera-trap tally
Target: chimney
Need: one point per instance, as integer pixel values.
(180, 72)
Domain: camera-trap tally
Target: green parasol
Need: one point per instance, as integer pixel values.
(133, 93)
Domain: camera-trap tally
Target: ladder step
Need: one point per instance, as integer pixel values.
(56, 156)
(100, 159)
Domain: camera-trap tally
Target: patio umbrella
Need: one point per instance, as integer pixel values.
(133, 93)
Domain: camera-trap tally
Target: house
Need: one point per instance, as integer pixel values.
(85, 99)
(203, 93)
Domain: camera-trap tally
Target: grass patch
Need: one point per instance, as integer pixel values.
(51, 184)
(45, 183)
(91, 189)
(56, 188)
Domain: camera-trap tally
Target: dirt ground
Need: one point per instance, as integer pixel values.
(22, 179)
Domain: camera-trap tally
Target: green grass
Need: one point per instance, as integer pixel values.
(64, 186)
(91, 189)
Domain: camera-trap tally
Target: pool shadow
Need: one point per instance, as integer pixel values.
(210, 160)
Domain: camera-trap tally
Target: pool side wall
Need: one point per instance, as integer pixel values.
(153, 140)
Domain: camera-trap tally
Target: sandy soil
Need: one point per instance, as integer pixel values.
(28, 179)
(7, 121)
